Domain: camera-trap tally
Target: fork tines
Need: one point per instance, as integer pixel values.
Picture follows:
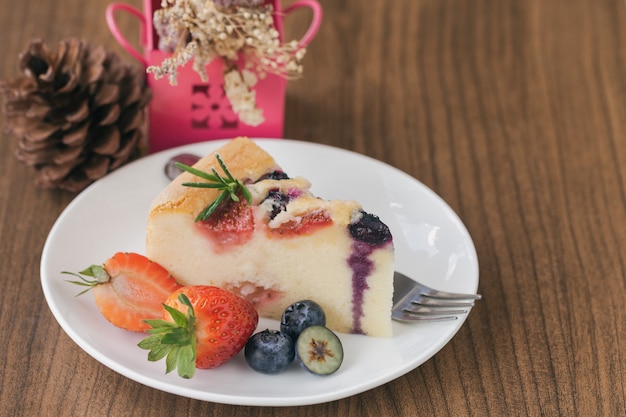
(430, 309)
(414, 301)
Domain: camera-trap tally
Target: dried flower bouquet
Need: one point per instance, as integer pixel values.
(233, 31)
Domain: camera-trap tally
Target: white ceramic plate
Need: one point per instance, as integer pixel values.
(432, 245)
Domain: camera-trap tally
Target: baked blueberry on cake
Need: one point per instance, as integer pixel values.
(236, 220)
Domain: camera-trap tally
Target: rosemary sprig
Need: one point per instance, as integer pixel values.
(229, 185)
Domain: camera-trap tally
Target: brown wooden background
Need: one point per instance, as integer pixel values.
(513, 111)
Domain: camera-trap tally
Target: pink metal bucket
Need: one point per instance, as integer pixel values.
(194, 111)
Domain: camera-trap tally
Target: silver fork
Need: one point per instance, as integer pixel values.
(413, 301)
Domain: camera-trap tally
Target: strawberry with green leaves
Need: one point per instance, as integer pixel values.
(128, 288)
(202, 327)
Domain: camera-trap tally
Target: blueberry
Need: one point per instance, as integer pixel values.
(319, 350)
(269, 352)
(274, 175)
(370, 229)
(301, 315)
(279, 202)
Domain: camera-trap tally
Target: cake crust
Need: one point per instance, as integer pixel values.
(244, 159)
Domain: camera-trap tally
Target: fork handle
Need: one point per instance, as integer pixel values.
(450, 295)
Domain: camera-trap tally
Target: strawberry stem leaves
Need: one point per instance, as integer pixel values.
(175, 341)
(229, 186)
(98, 274)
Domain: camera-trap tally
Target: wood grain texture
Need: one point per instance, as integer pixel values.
(513, 111)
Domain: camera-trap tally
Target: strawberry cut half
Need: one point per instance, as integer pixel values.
(307, 224)
(128, 288)
(231, 224)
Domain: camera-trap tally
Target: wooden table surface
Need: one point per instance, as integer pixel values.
(514, 112)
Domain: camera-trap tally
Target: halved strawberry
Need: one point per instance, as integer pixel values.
(203, 327)
(307, 224)
(128, 288)
(232, 223)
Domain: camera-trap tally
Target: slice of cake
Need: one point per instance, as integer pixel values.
(281, 246)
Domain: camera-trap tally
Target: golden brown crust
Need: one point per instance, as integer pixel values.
(245, 161)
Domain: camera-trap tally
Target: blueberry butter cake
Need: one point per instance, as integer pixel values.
(236, 220)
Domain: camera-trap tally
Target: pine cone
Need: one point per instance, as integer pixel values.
(79, 112)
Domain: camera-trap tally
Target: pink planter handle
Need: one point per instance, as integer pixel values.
(117, 34)
(315, 22)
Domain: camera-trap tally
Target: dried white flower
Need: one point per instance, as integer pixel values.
(237, 86)
(249, 78)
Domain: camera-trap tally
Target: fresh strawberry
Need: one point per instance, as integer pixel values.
(232, 223)
(128, 288)
(307, 224)
(203, 327)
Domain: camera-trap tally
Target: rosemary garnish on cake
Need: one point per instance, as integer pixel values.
(229, 186)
